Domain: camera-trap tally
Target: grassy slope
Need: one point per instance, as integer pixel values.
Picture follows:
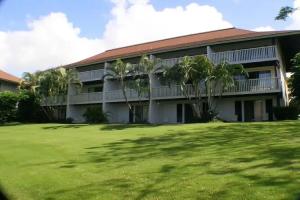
(206, 161)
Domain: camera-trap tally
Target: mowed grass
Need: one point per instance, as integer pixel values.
(197, 161)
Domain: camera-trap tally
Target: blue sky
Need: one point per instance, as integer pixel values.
(91, 15)
(45, 33)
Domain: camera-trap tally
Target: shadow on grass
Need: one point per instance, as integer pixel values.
(113, 127)
(256, 148)
(263, 155)
(3, 196)
(54, 127)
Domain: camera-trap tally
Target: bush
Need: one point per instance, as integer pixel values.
(29, 109)
(286, 113)
(95, 115)
(8, 106)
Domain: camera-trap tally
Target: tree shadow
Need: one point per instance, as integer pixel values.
(55, 127)
(113, 127)
(244, 147)
(3, 196)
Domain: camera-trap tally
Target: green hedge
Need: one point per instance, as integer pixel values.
(286, 113)
(8, 106)
(94, 115)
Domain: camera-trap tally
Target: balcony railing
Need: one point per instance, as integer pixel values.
(251, 86)
(241, 87)
(245, 55)
(92, 75)
(54, 101)
(86, 98)
(117, 95)
(234, 57)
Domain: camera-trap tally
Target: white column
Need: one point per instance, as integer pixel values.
(282, 73)
(69, 109)
(105, 84)
(209, 53)
(152, 103)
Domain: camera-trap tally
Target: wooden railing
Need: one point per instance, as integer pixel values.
(245, 55)
(241, 87)
(241, 56)
(117, 95)
(250, 86)
(54, 101)
(92, 75)
(86, 98)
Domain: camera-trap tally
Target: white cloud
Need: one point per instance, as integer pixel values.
(264, 28)
(136, 21)
(53, 40)
(295, 17)
(50, 41)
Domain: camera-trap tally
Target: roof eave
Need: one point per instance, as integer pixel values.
(226, 41)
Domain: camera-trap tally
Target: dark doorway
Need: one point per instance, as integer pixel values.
(249, 111)
(130, 116)
(238, 110)
(179, 113)
(269, 109)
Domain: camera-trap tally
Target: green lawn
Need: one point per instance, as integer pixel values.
(199, 161)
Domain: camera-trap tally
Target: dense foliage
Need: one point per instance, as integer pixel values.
(8, 106)
(285, 12)
(198, 77)
(286, 113)
(294, 81)
(29, 109)
(94, 115)
(47, 86)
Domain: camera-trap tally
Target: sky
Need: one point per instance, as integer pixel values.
(36, 35)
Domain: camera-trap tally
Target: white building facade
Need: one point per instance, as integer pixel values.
(264, 55)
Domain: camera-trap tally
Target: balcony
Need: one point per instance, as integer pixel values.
(54, 101)
(242, 87)
(86, 98)
(117, 96)
(242, 56)
(92, 75)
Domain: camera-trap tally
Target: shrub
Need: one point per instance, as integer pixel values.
(286, 113)
(8, 106)
(29, 109)
(95, 115)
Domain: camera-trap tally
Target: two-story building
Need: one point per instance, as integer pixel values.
(265, 55)
(8, 82)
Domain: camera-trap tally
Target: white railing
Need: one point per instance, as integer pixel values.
(54, 101)
(170, 62)
(85, 98)
(117, 95)
(246, 55)
(92, 75)
(251, 86)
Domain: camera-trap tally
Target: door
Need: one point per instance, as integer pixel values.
(238, 110)
(258, 110)
(269, 109)
(179, 113)
(188, 113)
(249, 111)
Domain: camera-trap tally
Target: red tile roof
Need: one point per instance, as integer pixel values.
(8, 77)
(206, 38)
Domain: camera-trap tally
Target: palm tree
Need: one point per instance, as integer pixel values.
(147, 66)
(30, 82)
(119, 71)
(199, 77)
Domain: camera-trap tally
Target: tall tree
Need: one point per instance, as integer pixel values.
(119, 71)
(294, 81)
(198, 77)
(284, 13)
